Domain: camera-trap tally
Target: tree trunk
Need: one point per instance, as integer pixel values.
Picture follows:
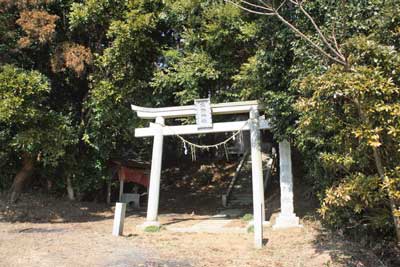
(70, 189)
(393, 208)
(22, 177)
(108, 200)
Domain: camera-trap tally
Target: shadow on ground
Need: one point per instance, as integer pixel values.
(344, 252)
(44, 209)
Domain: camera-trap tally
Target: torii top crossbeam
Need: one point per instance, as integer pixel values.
(190, 110)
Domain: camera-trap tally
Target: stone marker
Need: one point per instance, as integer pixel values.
(286, 218)
(119, 218)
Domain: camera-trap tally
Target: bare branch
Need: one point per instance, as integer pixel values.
(327, 43)
(250, 10)
(311, 42)
(294, 2)
(266, 7)
(281, 5)
(337, 57)
(335, 41)
(264, 3)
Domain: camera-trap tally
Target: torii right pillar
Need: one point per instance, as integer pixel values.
(286, 218)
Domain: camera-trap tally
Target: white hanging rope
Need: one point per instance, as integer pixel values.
(232, 137)
(193, 146)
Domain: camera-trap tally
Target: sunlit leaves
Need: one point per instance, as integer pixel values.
(22, 93)
(347, 114)
(361, 195)
(34, 129)
(209, 42)
(184, 77)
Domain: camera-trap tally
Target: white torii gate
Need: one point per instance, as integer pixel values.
(158, 130)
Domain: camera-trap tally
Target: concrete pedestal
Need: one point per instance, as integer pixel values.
(283, 221)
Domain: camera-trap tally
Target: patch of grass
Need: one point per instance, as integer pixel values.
(247, 217)
(250, 229)
(152, 229)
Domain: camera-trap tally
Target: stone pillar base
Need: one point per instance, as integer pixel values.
(146, 224)
(286, 221)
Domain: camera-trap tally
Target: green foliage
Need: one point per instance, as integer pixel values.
(93, 12)
(207, 43)
(185, 76)
(345, 114)
(266, 77)
(30, 126)
(365, 51)
(122, 77)
(247, 217)
(22, 94)
(358, 205)
(152, 229)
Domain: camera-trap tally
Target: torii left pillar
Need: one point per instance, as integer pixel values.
(155, 174)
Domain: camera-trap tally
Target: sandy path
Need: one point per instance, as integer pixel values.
(50, 232)
(77, 244)
(91, 244)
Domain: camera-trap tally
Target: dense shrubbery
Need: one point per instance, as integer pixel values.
(359, 206)
(349, 123)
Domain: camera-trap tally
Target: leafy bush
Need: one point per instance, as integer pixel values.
(349, 125)
(359, 205)
(29, 125)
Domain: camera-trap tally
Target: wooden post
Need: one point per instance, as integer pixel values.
(286, 218)
(108, 200)
(121, 189)
(156, 161)
(257, 178)
(70, 189)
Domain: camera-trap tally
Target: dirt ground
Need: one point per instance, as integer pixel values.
(44, 231)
